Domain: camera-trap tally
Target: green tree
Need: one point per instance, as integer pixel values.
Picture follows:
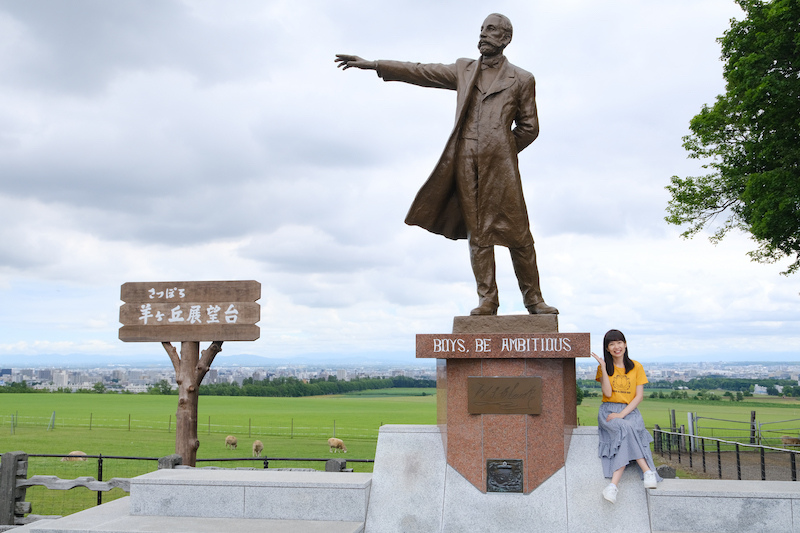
(99, 387)
(728, 394)
(162, 387)
(750, 138)
(580, 396)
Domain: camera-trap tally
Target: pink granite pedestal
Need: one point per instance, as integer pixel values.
(541, 441)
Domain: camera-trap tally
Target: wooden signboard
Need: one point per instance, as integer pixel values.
(190, 311)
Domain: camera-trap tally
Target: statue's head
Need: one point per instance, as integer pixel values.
(496, 33)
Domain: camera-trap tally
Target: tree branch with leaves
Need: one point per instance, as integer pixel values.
(749, 139)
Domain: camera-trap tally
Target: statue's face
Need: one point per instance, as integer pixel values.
(493, 38)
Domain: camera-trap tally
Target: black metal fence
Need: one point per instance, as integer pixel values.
(89, 468)
(725, 458)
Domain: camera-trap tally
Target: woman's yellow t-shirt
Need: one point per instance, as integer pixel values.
(623, 386)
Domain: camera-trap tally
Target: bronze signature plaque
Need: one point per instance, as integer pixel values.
(514, 396)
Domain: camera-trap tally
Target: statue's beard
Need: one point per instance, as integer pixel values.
(490, 47)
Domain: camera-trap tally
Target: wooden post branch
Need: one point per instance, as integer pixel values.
(189, 312)
(190, 369)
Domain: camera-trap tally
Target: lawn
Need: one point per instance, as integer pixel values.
(288, 427)
(99, 424)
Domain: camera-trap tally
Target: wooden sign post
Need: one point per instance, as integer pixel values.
(189, 312)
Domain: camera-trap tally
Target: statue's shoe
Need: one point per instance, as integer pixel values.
(542, 309)
(486, 308)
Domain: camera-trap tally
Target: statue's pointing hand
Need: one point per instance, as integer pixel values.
(347, 61)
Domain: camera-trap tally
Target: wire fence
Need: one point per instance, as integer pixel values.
(288, 429)
(63, 502)
(780, 433)
(726, 459)
(46, 501)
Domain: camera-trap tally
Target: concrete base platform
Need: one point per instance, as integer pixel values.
(115, 517)
(414, 490)
(724, 506)
(256, 494)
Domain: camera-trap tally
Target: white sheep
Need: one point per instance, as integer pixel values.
(258, 447)
(337, 444)
(77, 455)
(231, 442)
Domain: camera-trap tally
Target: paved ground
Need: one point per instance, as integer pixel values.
(777, 465)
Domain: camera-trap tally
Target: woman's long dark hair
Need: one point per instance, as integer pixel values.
(611, 336)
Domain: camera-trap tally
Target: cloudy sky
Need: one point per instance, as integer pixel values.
(207, 140)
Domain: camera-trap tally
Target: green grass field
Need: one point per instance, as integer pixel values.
(297, 427)
(779, 415)
(288, 427)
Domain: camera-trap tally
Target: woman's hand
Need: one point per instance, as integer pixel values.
(600, 361)
(612, 416)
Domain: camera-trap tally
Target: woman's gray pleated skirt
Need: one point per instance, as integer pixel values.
(623, 439)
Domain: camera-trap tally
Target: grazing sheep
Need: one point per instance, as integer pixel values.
(786, 440)
(337, 444)
(231, 442)
(258, 447)
(77, 455)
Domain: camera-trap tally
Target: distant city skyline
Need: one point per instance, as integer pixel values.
(140, 379)
(390, 359)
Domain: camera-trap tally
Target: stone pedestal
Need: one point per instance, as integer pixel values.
(540, 441)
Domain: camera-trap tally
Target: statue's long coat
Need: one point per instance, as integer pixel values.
(507, 123)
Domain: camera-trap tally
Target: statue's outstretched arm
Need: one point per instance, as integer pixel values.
(347, 61)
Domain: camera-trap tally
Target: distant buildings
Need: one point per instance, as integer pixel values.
(138, 380)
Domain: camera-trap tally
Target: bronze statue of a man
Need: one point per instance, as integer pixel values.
(475, 191)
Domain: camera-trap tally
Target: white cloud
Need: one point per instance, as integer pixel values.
(208, 140)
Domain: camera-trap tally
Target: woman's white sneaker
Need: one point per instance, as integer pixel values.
(650, 481)
(610, 493)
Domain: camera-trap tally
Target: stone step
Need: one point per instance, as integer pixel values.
(724, 506)
(114, 517)
(257, 494)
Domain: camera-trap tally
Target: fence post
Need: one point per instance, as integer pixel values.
(669, 445)
(703, 447)
(100, 478)
(738, 463)
(672, 425)
(13, 465)
(657, 438)
(169, 461)
(752, 427)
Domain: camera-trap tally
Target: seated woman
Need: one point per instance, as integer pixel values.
(623, 437)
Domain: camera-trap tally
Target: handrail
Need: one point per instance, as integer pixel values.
(722, 441)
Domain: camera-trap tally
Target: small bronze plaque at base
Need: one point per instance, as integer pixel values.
(504, 475)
